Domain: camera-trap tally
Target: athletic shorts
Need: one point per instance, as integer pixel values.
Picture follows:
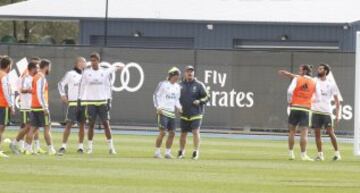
(39, 119)
(4, 115)
(165, 122)
(320, 121)
(25, 116)
(299, 118)
(189, 126)
(101, 111)
(75, 114)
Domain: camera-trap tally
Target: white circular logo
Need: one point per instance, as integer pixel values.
(125, 77)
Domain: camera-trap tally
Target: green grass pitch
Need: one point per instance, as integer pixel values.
(225, 166)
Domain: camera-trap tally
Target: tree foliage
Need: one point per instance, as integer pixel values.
(34, 31)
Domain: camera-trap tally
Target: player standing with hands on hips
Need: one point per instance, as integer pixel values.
(194, 96)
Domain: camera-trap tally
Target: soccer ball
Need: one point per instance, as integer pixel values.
(7, 140)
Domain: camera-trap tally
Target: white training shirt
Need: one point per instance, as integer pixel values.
(167, 96)
(109, 85)
(325, 91)
(291, 89)
(25, 98)
(94, 84)
(72, 81)
(6, 88)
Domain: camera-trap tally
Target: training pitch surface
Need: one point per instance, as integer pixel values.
(232, 164)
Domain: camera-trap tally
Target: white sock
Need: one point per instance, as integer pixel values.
(291, 152)
(51, 148)
(167, 151)
(320, 154)
(157, 151)
(81, 146)
(197, 150)
(37, 144)
(21, 144)
(110, 143)
(337, 153)
(303, 154)
(14, 142)
(90, 145)
(64, 145)
(28, 147)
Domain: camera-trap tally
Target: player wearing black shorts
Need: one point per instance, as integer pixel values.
(40, 114)
(321, 120)
(299, 116)
(6, 102)
(300, 92)
(94, 95)
(75, 113)
(17, 145)
(326, 91)
(193, 98)
(166, 101)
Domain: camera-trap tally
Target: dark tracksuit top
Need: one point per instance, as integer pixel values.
(191, 91)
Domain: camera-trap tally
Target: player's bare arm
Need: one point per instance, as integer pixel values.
(119, 66)
(286, 74)
(64, 99)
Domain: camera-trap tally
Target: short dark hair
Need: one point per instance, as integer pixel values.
(44, 63)
(95, 55)
(307, 68)
(31, 66)
(326, 67)
(5, 62)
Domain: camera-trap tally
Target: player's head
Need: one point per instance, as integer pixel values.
(6, 63)
(189, 73)
(45, 66)
(3, 56)
(35, 60)
(174, 74)
(95, 59)
(305, 69)
(323, 70)
(32, 68)
(80, 63)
